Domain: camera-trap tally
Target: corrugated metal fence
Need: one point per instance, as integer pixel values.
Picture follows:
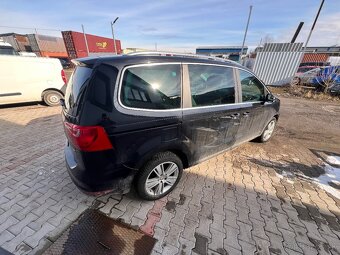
(277, 62)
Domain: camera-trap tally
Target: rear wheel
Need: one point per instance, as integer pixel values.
(268, 131)
(159, 176)
(52, 97)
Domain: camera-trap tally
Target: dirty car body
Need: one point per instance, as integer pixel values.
(119, 112)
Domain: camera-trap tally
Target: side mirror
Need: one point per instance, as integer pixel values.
(270, 97)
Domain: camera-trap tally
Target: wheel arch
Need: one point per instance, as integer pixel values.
(183, 157)
(50, 89)
(178, 152)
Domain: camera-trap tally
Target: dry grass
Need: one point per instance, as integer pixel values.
(298, 91)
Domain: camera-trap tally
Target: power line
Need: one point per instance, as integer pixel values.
(33, 28)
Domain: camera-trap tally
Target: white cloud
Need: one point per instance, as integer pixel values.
(326, 31)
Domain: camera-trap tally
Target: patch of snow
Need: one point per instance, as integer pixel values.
(334, 160)
(279, 175)
(332, 175)
(330, 190)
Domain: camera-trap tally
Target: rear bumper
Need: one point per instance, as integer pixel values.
(100, 179)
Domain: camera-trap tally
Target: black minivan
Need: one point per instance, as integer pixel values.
(140, 119)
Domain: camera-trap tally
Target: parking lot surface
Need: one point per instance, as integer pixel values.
(281, 197)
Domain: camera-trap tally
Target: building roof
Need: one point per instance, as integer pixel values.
(10, 34)
(221, 47)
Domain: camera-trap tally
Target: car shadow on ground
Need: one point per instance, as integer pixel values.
(289, 167)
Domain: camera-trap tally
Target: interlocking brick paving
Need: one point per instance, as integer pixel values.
(255, 199)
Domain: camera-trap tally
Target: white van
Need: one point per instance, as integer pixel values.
(24, 79)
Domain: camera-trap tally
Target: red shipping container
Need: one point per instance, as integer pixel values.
(76, 47)
(50, 54)
(50, 43)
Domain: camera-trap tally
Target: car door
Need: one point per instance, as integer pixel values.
(149, 112)
(255, 113)
(210, 116)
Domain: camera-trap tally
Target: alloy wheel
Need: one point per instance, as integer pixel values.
(269, 130)
(161, 178)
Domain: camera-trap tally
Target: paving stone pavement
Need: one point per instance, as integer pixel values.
(240, 202)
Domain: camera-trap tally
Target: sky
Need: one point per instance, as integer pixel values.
(177, 25)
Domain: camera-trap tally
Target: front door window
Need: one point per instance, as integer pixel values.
(252, 88)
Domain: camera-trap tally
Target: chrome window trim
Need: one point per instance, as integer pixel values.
(143, 109)
(186, 89)
(222, 105)
(225, 66)
(265, 87)
(231, 66)
(181, 107)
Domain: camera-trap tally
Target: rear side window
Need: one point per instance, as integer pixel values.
(155, 87)
(76, 86)
(211, 85)
(100, 92)
(252, 88)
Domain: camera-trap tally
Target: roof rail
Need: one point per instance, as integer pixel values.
(175, 54)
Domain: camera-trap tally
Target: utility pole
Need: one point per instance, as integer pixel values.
(245, 33)
(87, 46)
(155, 46)
(312, 28)
(113, 35)
(297, 32)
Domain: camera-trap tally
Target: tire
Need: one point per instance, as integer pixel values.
(265, 136)
(52, 97)
(156, 175)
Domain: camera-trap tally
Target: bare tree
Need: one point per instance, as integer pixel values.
(327, 77)
(267, 39)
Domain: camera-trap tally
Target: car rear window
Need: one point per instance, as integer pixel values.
(76, 87)
(152, 87)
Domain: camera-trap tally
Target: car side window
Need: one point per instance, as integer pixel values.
(211, 85)
(252, 88)
(152, 87)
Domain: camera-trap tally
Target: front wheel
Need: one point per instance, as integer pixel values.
(52, 97)
(159, 176)
(268, 131)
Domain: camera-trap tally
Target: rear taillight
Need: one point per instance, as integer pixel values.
(87, 138)
(63, 76)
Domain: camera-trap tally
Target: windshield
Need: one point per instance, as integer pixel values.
(315, 70)
(7, 51)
